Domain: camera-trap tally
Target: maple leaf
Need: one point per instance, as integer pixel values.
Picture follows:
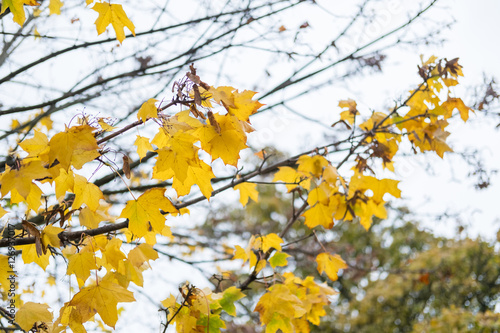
(102, 299)
(268, 241)
(113, 254)
(147, 209)
(456, 103)
(86, 193)
(30, 313)
(29, 255)
(81, 264)
(200, 175)
(37, 145)
(55, 7)
(21, 180)
(279, 259)
(90, 218)
(143, 146)
(75, 146)
(244, 106)
(141, 254)
(229, 296)
(278, 300)
(319, 214)
(148, 108)
(114, 15)
(16, 8)
(312, 164)
(330, 264)
(223, 95)
(32, 200)
(247, 190)
(64, 183)
(50, 236)
(350, 114)
(292, 177)
(228, 143)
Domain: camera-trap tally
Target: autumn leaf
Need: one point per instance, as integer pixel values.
(86, 193)
(229, 296)
(319, 214)
(228, 143)
(114, 15)
(16, 8)
(101, 299)
(330, 264)
(75, 146)
(50, 236)
(148, 108)
(37, 145)
(141, 255)
(244, 105)
(81, 264)
(147, 210)
(351, 112)
(456, 103)
(313, 165)
(30, 313)
(247, 190)
(55, 7)
(21, 180)
(30, 255)
(223, 95)
(143, 146)
(279, 259)
(269, 241)
(292, 178)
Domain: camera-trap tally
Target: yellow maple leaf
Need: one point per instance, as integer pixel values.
(90, 218)
(112, 254)
(102, 299)
(247, 190)
(30, 255)
(147, 210)
(200, 175)
(55, 7)
(350, 114)
(226, 143)
(16, 8)
(319, 214)
(37, 145)
(313, 165)
(75, 146)
(32, 200)
(292, 177)
(86, 193)
(81, 264)
(64, 183)
(267, 242)
(456, 103)
(223, 95)
(148, 108)
(330, 264)
(50, 236)
(143, 146)
(244, 106)
(30, 313)
(379, 187)
(141, 255)
(114, 15)
(21, 180)
(279, 301)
